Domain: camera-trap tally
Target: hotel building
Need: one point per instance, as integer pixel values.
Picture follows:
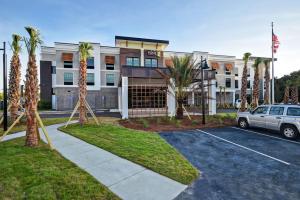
(124, 78)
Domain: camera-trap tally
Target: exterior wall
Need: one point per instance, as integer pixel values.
(46, 80)
(60, 70)
(107, 98)
(104, 71)
(125, 52)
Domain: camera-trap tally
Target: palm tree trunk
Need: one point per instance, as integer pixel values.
(244, 89)
(82, 92)
(255, 89)
(14, 86)
(286, 95)
(294, 95)
(179, 111)
(31, 92)
(267, 85)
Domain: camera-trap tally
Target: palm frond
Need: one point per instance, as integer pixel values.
(15, 45)
(33, 41)
(85, 50)
(246, 56)
(257, 62)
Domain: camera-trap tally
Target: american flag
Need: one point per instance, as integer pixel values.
(275, 42)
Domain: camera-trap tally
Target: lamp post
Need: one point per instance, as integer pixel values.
(4, 88)
(203, 65)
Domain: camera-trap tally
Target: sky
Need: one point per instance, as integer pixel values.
(226, 27)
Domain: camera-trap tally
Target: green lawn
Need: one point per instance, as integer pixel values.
(47, 121)
(144, 148)
(39, 173)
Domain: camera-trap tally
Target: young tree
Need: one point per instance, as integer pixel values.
(267, 82)
(255, 94)
(183, 72)
(31, 87)
(244, 83)
(85, 52)
(15, 77)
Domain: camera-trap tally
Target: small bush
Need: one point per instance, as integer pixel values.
(45, 105)
(177, 123)
(194, 122)
(144, 122)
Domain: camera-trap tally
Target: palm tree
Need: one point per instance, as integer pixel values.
(183, 72)
(31, 87)
(15, 77)
(255, 94)
(244, 83)
(267, 82)
(85, 52)
(286, 96)
(294, 94)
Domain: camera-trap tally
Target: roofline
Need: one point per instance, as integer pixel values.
(141, 39)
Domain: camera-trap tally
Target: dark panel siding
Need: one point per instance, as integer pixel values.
(46, 80)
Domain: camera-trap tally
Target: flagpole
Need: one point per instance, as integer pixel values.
(273, 99)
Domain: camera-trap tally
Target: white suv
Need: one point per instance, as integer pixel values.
(283, 118)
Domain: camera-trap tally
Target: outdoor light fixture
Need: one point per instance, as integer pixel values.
(4, 88)
(203, 65)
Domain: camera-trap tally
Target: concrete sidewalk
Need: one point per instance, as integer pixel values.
(125, 178)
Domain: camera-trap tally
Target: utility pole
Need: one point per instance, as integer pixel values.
(4, 88)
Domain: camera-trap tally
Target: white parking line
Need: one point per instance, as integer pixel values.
(244, 147)
(278, 138)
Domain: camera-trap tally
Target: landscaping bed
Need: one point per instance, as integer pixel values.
(41, 173)
(145, 148)
(158, 124)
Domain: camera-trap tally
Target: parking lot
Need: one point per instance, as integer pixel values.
(239, 164)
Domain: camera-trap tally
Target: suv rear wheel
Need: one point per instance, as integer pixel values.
(289, 131)
(243, 123)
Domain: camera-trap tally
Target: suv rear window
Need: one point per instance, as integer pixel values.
(293, 111)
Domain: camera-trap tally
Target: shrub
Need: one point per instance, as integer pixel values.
(45, 105)
(144, 122)
(194, 122)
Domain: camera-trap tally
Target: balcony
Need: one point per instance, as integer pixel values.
(142, 72)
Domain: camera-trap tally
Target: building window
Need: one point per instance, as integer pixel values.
(236, 83)
(248, 84)
(236, 72)
(132, 61)
(68, 64)
(110, 66)
(110, 79)
(68, 78)
(228, 82)
(90, 63)
(248, 72)
(90, 79)
(53, 70)
(227, 72)
(150, 62)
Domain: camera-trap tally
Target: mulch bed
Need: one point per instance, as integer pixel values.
(158, 124)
